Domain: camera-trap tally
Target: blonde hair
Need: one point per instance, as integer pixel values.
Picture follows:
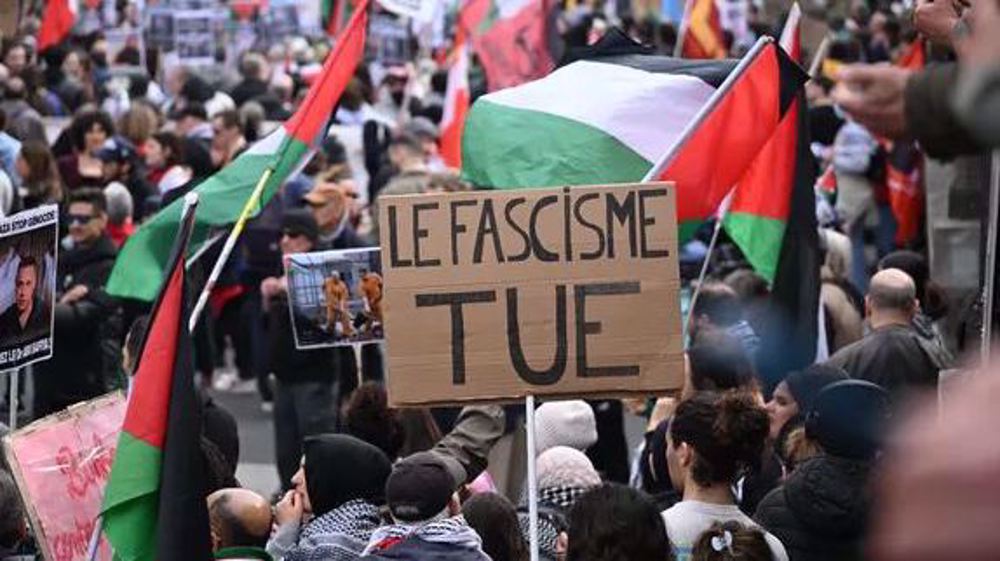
(138, 123)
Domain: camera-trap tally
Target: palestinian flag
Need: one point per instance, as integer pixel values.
(58, 20)
(762, 200)
(701, 31)
(456, 108)
(154, 502)
(772, 220)
(140, 264)
(628, 112)
(335, 13)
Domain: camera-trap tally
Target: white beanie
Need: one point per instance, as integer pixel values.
(565, 423)
(566, 467)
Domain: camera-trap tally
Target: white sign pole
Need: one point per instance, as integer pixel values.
(529, 413)
(12, 398)
(989, 276)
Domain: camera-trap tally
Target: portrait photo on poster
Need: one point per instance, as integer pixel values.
(335, 297)
(27, 285)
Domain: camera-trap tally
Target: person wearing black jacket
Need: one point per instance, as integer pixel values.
(87, 336)
(305, 400)
(821, 512)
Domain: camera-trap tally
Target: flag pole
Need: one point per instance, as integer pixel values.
(227, 249)
(989, 276)
(704, 264)
(820, 56)
(189, 208)
(682, 29)
(707, 109)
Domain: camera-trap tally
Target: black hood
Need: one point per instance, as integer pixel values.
(103, 249)
(830, 495)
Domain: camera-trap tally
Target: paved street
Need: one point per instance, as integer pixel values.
(256, 469)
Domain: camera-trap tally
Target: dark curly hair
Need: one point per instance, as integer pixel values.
(369, 418)
(727, 431)
(616, 523)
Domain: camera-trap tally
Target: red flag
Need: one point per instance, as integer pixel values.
(762, 199)
(512, 47)
(722, 148)
(701, 33)
(456, 107)
(58, 20)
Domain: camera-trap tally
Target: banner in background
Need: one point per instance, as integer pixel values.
(510, 37)
(61, 464)
(495, 295)
(27, 285)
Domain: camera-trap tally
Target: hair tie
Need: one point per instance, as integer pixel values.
(723, 542)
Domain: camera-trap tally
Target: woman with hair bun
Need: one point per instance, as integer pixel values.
(714, 439)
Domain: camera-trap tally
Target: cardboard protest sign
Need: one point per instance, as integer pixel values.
(27, 285)
(61, 464)
(335, 297)
(563, 292)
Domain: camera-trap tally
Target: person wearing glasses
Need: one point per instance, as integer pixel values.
(87, 335)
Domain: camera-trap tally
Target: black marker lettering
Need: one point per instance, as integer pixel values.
(585, 328)
(524, 370)
(646, 252)
(455, 300)
(420, 233)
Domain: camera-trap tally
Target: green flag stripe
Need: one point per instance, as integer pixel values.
(131, 499)
(138, 271)
(759, 238)
(500, 152)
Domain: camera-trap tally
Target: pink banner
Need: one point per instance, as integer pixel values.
(61, 464)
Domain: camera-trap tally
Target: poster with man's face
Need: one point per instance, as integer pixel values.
(27, 286)
(335, 297)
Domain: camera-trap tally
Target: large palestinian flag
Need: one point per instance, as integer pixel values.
(154, 502)
(140, 264)
(609, 117)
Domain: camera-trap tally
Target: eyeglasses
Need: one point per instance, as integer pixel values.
(80, 219)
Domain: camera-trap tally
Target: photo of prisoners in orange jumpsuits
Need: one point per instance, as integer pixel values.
(335, 297)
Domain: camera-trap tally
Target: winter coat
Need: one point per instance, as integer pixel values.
(821, 511)
(930, 116)
(450, 539)
(893, 357)
(977, 103)
(86, 358)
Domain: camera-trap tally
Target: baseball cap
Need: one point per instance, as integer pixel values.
(420, 487)
(421, 127)
(300, 222)
(322, 194)
(115, 149)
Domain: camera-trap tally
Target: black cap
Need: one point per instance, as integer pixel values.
(806, 384)
(419, 487)
(300, 222)
(848, 419)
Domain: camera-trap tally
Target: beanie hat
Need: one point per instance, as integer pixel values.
(805, 385)
(848, 419)
(565, 423)
(563, 466)
(419, 487)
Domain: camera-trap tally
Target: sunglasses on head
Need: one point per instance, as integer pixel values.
(79, 218)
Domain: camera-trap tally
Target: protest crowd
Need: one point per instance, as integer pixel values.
(831, 440)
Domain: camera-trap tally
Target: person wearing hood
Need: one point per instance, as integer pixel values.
(427, 519)
(821, 512)
(564, 475)
(87, 336)
(334, 507)
(792, 398)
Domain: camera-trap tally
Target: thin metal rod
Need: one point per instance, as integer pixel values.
(820, 56)
(227, 249)
(989, 278)
(703, 273)
(529, 415)
(13, 400)
(682, 29)
(706, 110)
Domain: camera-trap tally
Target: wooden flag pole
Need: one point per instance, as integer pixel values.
(227, 249)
